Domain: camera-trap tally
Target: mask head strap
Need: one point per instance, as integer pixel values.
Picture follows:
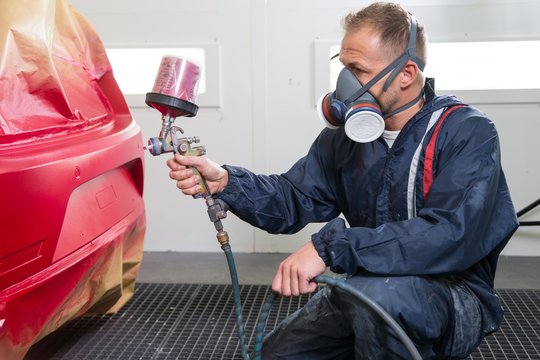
(409, 54)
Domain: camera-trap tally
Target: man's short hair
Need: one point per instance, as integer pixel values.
(392, 22)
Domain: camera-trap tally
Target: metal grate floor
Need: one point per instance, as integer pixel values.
(190, 321)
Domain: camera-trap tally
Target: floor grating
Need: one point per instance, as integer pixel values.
(190, 321)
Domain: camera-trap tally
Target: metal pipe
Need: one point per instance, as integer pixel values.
(528, 208)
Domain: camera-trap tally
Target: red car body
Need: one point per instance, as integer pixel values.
(72, 217)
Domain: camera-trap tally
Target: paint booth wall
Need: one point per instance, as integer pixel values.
(263, 116)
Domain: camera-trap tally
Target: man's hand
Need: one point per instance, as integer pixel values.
(294, 274)
(215, 176)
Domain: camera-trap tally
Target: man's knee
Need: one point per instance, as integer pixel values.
(423, 307)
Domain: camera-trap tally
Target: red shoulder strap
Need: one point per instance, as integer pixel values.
(430, 151)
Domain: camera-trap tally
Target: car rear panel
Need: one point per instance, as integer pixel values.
(72, 218)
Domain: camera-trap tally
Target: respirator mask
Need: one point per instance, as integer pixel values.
(352, 106)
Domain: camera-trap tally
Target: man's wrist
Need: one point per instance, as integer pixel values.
(223, 182)
(321, 249)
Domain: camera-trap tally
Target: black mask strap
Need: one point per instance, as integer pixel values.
(404, 107)
(372, 82)
(409, 54)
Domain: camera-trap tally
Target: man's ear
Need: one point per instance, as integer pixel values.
(409, 74)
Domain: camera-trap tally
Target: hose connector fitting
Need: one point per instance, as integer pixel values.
(222, 237)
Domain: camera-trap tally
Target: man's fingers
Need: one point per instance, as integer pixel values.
(296, 271)
(195, 161)
(288, 281)
(184, 167)
(276, 283)
(307, 287)
(294, 280)
(192, 191)
(174, 165)
(181, 174)
(285, 281)
(189, 186)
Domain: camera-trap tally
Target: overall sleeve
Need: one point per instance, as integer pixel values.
(284, 203)
(466, 216)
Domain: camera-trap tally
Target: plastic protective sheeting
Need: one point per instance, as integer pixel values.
(72, 219)
(50, 64)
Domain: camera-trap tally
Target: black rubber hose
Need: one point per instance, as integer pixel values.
(237, 303)
(262, 324)
(411, 348)
(375, 307)
(339, 283)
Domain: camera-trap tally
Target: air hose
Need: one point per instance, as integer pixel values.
(237, 303)
(217, 211)
(321, 279)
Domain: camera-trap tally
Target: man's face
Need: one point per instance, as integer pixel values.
(361, 54)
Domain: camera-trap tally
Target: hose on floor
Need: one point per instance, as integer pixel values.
(321, 279)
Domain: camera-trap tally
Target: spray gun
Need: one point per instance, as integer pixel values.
(173, 95)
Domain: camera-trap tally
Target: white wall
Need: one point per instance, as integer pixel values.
(267, 119)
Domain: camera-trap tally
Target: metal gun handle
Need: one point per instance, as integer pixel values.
(183, 147)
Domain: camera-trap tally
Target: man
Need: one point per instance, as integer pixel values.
(427, 203)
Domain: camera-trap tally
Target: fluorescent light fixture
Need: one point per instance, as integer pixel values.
(493, 65)
(135, 69)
